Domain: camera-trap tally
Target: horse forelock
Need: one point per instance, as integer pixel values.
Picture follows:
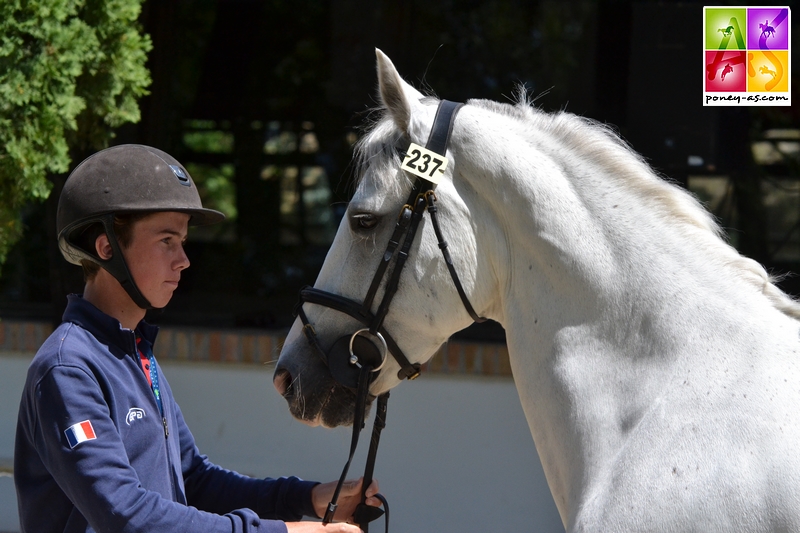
(379, 151)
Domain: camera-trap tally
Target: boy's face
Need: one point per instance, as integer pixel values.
(156, 257)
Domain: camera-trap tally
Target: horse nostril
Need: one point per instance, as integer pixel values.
(283, 382)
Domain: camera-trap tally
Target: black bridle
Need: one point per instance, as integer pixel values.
(354, 360)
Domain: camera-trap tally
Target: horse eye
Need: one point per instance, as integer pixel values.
(365, 221)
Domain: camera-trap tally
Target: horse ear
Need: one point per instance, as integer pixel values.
(396, 95)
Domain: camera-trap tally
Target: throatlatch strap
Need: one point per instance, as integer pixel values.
(432, 209)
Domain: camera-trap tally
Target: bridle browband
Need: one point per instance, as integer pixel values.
(358, 368)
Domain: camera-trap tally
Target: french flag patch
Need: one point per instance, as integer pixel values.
(80, 432)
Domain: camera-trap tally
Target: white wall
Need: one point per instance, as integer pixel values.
(456, 455)
(12, 378)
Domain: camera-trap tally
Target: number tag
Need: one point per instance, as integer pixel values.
(424, 163)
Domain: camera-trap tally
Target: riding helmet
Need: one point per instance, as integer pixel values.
(129, 178)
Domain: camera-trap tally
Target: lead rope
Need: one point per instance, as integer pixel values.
(363, 513)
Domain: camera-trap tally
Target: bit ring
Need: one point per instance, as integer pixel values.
(354, 357)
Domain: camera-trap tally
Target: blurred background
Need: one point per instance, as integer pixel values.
(262, 101)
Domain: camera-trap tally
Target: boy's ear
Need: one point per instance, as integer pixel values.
(103, 247)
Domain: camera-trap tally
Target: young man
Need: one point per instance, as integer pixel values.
(101, 444)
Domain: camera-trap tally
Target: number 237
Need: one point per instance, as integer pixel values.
(424, 163)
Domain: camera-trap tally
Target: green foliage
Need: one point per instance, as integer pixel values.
(215, 183)
(70, 72)
(209, 142)
(216, 186)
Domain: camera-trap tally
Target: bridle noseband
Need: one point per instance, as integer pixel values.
(354, 360)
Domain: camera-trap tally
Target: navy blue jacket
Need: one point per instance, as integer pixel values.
(134, 476)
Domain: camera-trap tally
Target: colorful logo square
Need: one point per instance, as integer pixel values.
(768, 28)
(724, 28)
(768, 71)
(747, 55)
(726, 71)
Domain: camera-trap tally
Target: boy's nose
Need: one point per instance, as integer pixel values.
(183, 260)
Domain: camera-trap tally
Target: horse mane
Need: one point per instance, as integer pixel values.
(600, 143)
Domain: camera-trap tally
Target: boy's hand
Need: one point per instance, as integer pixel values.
(349, 498)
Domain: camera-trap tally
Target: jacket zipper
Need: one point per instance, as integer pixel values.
(165, 425)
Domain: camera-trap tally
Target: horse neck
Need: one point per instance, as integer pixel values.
(598, 294)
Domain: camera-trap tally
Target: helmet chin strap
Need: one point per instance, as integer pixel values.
(117, 267)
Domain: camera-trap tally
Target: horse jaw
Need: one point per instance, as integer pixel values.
(397, 96)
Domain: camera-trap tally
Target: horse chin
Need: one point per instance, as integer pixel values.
(340, 408)
(313, 423)
(331, 409)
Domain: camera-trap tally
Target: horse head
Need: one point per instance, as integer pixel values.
(426, 308)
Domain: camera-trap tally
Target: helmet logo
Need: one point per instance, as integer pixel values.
(181, 175)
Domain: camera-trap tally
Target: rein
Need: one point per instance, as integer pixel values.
(368, 347)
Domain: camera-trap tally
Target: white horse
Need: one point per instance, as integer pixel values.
(658, 369)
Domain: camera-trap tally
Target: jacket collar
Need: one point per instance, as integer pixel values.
(105, 328)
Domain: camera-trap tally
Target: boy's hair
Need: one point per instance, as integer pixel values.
(123, 228)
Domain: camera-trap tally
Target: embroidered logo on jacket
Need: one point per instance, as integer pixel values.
(80, 432)
(134, 414)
